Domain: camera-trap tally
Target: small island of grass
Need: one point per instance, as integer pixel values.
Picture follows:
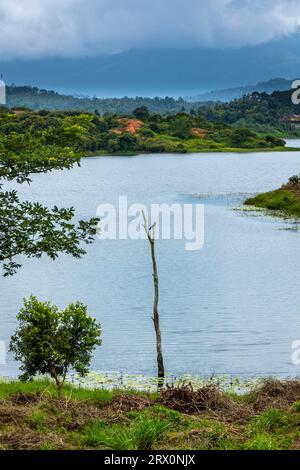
(285, 199)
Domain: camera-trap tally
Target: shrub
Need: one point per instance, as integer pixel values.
(49, 341)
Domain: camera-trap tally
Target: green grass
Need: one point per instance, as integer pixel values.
(37, 420)
(270, 420)
(216, 436)
(265, 441)
(101, 396)
(281, 200)
(87, 419)
(141, 434)
(296, 406)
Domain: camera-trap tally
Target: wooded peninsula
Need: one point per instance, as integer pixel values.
(136, 133)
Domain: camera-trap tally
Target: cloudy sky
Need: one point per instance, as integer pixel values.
(78, 28)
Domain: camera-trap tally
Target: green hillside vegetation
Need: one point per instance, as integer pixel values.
(141, 132)
(40, 99)
(258, 111)
(261, 112)
(229, 94)
(285, 200)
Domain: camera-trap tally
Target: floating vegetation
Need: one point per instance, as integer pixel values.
(275, 216)
(250, 209)
(295, 228)
(143, 383)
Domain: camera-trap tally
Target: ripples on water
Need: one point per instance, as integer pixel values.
(231, 308)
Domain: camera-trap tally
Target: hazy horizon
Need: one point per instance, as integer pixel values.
(148, 48)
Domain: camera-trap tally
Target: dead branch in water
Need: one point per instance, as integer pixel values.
(150, 232)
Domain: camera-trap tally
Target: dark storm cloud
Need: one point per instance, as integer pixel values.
(75, 28)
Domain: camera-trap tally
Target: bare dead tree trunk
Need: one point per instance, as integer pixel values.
(150, 232)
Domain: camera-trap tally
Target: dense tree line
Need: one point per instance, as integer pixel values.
(37, 99)
(27, 147)
(258, 111)
(142, 131)
(261, 112)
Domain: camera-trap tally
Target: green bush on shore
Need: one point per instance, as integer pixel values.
(282, 200)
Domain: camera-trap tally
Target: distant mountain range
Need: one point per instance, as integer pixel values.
(38, 99)
(151, 72)
(230, 94)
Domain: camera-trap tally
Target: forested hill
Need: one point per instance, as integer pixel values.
(37, 99)
(141, 132)
(261, 112)
(230, 94)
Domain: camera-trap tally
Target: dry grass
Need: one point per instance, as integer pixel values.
(125, 403)
(204, 418)
(276, 394)
(208, 399)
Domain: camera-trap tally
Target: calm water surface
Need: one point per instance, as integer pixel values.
(231, 308)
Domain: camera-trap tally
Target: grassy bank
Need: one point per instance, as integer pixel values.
(32, 417)
(285, 200)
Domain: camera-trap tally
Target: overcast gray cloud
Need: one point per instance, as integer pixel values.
(73, 28)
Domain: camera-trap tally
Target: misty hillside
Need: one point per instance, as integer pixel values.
(262, 112)
(276, 84)
(37, 99)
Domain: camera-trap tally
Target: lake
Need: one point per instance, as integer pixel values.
(231, 308)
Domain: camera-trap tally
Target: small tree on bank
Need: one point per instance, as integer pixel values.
(53, 342)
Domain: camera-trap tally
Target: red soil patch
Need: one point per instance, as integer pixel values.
(133, 126)
(128, 125)
(19, 112)
(199, 132)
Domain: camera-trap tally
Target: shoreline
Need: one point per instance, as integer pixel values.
(148, 383)
(221, 150)
(284, 201)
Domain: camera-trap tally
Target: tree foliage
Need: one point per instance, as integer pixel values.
(53, 342)
(261, 112)
(31, 229)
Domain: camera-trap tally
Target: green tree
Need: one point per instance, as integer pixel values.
(141, 113)
(31, 229)
(127, 141)
(181, 126)
(241, 137)
(52, 342)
